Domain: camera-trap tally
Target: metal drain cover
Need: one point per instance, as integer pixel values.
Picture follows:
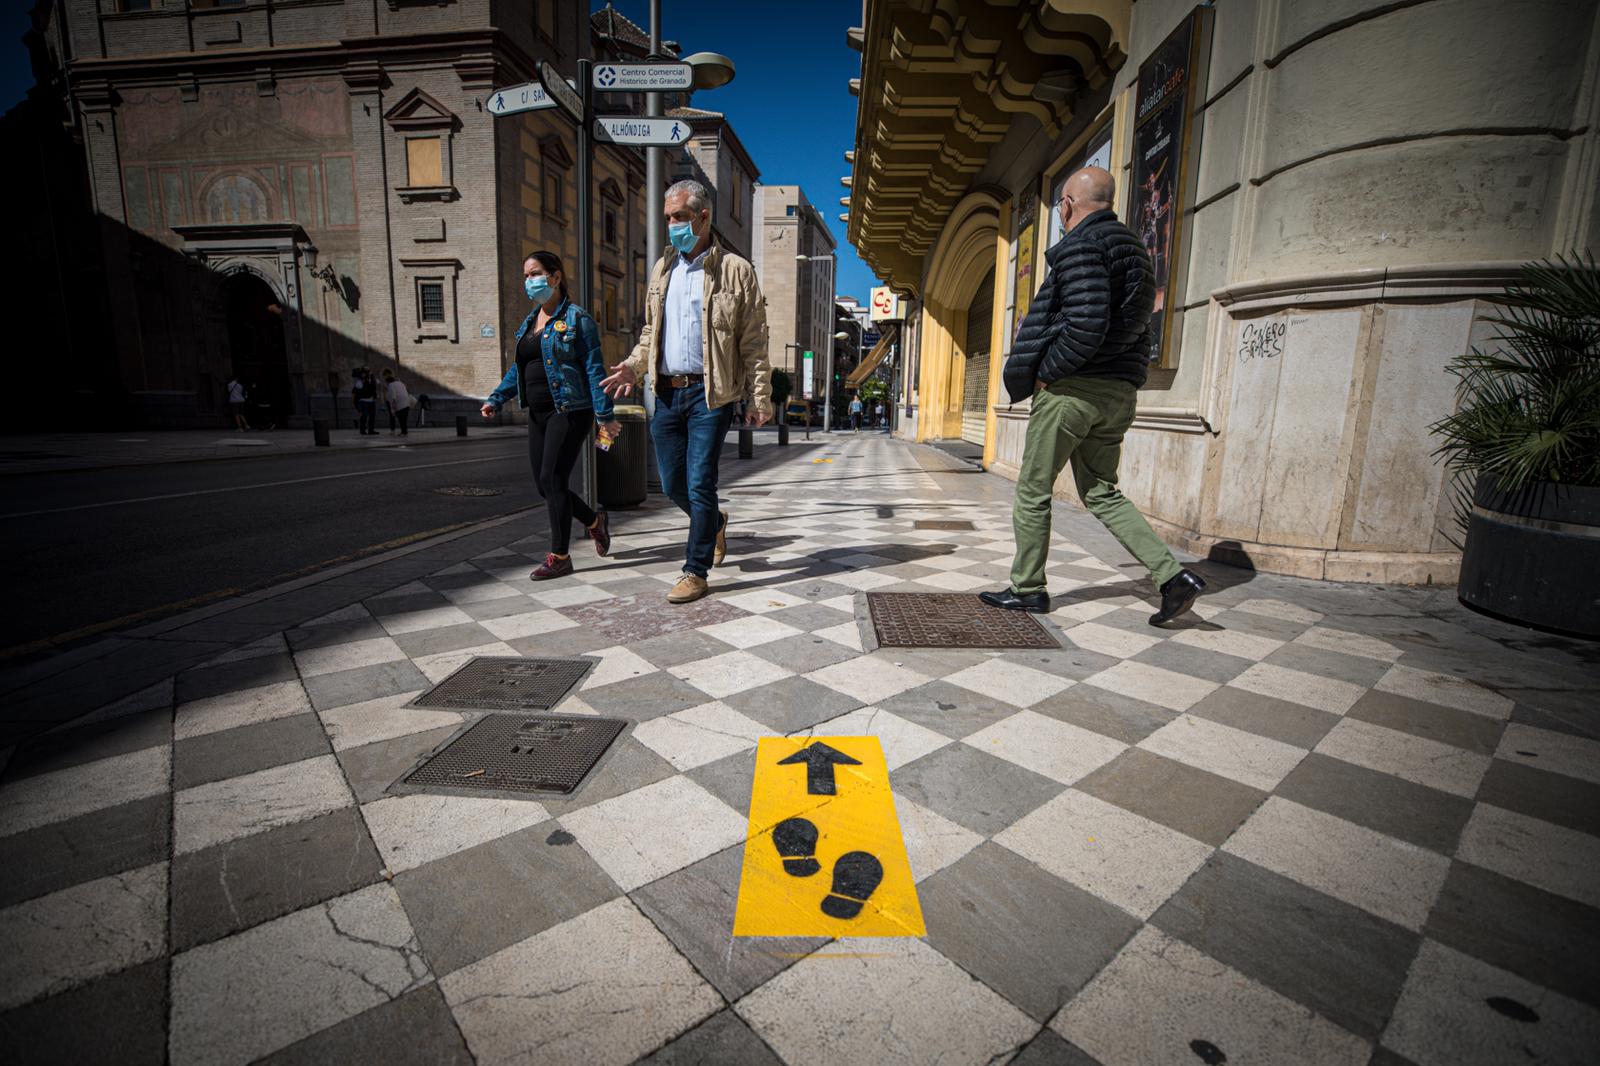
(951, 620)
(949, 524)
(500, 683)
(516, 753)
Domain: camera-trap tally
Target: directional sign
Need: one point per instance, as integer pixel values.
(642, 77)
(561, 92)
(824, 855)
(529, 96)
(635, 129)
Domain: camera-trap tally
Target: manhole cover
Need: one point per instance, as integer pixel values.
(498, 683)
(948, 524)
(515, 753)
(467, 490)
(951, 620)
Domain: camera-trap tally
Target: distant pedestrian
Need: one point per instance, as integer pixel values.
(1082, 353)
(423, 405)
(556, 377)
(855, 413)
(399, 402)
(366, 391)
(236, 401)
(877, 416)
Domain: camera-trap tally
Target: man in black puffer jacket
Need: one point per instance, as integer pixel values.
(1082, 353)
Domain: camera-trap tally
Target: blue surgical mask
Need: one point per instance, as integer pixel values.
(682, 236)
(538, 289)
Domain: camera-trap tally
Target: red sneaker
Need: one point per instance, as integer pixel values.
(600, 533)
(553, 566)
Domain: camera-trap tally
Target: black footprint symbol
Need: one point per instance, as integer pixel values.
(796, 840)
(855, 877)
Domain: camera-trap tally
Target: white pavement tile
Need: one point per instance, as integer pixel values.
(862, 579)
(1551, 857)
(616, 664)
(245, 707)
(607, 575)
(955, 581)
(238, 999)
(601, 989)
(1257, 761)
(417, 829)
(54, 797)
(440, 666)
(729, 673)
(357, 653)
(528, 624)
(1109, 640)
(570, 595)
(416, 621)
(1416, 759)
(1164, 688)
(1117, 855)
(903, 742)
(883, 1001)
(241, 806)
(932, 841)
(699, 735)
(868, 680)
(483, 591)
(356, 612)
(947, 562)
(97, 927)
(1297, 686)
(1228, 642)
(410, 588)
(1058, 750)
(653, 831)
(455, 570)
(1280, 609)
(1082, 610)
(1008, 682)
(381, 719)
(1445, 690)
(1373, 871)
(749, 632)
(1557, 753)
(845, 633)
(1159, 994)
(1348, 643)
(256, 649)
(763, 600)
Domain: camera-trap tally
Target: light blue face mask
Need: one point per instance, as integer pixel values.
(682, 236)
(538, 289)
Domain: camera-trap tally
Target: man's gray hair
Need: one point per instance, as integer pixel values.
(699, 198)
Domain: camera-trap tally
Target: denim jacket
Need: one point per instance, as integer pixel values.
(573, 363)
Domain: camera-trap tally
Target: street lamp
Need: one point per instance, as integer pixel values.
(711, 71)
(827, 400)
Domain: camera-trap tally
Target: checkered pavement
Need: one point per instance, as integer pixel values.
(1292, 829)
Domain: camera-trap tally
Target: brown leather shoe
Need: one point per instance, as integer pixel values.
(600, 533)
(721, 551)
(688, 589)
(553, 566)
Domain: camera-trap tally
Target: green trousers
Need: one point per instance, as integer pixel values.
(1080, 421)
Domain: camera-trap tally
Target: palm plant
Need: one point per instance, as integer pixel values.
(1529, 410)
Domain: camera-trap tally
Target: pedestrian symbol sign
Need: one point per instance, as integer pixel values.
(512, 99)
(643, 131)
(824, 855)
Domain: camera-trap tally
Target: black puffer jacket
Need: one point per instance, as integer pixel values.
(1091, 316)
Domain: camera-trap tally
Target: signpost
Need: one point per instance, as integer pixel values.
(529, 96)
(642, 77)
(562, 93)
(644, 132)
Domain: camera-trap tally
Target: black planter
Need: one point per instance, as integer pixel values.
(1534, 556)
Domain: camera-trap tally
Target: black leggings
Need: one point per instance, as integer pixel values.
(555, 440)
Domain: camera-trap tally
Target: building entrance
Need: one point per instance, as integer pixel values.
(256, 347)
(975, 379)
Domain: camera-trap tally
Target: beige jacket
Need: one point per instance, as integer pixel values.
(735, 330)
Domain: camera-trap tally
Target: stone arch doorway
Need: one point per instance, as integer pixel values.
(253, 315)
(964, 262)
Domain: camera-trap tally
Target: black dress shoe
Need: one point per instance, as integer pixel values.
(1012, 600)
(1178, 595)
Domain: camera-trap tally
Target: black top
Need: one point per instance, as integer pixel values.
(530, 370)
(1091, 316)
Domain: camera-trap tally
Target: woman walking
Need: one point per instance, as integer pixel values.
(556, 378)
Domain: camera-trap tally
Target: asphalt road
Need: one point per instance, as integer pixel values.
(89, 551)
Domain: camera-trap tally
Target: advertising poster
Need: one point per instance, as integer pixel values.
(1025, 281)
(1097, 154)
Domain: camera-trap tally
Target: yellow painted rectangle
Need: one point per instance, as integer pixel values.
(860, 817)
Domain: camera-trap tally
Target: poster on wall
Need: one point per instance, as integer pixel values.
(1097, 153)
(1025, 282)
(1163, 155)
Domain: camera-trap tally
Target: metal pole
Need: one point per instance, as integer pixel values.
(590, 490)
(653, 182)
(827, 387)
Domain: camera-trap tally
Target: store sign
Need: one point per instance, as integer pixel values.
(1164, 141)
(808, 374)
(885, 305)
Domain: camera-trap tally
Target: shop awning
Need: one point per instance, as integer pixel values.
(865, 368)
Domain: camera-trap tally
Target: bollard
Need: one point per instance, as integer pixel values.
(747, 442)
(783, 433)
(461, 425)
(319, 432)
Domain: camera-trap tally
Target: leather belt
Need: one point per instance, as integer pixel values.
(683, 381)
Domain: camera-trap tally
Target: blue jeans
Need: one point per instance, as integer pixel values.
(688, 437)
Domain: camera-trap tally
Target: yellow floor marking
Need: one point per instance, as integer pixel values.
(814, 462)
(859, 817)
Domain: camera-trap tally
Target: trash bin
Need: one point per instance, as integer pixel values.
(620, 474)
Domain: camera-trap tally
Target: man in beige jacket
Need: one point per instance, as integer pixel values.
(705, 343)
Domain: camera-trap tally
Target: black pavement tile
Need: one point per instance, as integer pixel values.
(1048, 1049)
(1260, 625)
(694, 908)
(372, 768)
(120, 1020)
(576, 641)
(792, 704)
(1192, 801)
(675, 649)
(405, 603)
(344, 687)
(804, 653)
(1578, 722)
(1340, 961)
(1029, 935)
(973, 788)
(1070, 662)
(416, 1029)
(246, 749)
(721, 1038)
(1110, 714)
(85, 744)
(445, 638)
(1356, 669)
(486, 610)
(206, 681)
(467, 906)
(949, 709)
(66, 853)
(626, 766)
(1266, 716)
(1555, 798)
(1384, 1057)
(641, 698)
(223, 889)
(1423, 816)
(1459, 729)
(809, 617)
(1195, 662)
(327, 634)
(729, 778)
(1548, 939)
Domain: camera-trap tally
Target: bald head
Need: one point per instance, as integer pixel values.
(1085, 192)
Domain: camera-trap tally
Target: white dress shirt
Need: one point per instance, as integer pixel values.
(682, 322)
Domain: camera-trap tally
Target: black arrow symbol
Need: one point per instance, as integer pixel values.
(820, 760)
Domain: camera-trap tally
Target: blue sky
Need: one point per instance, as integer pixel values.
(789, 103)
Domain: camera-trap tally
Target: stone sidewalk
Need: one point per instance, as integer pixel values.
(1313, 823)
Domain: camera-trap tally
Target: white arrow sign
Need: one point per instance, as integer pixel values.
(561, 92)
(642, 77)
(528, 97)
(634, 129)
